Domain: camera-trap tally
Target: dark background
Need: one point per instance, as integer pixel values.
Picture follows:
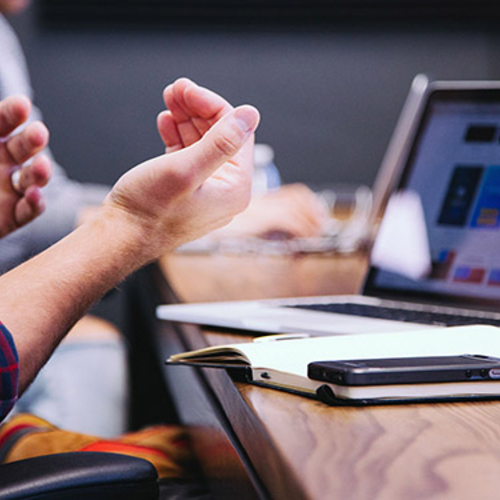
(329, 82)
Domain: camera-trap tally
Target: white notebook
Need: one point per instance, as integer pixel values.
(280, 362)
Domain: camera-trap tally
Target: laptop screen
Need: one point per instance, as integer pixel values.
(453, 168)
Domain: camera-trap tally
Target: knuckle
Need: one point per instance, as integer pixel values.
(11, 116)
(22, 147)
(38, 133)
(8, 117)
(301, 191)
(8, 114)
(227, 146)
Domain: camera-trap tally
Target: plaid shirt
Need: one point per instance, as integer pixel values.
(9, 372)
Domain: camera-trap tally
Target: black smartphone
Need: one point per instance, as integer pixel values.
(416, 370)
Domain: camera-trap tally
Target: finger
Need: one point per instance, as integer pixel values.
(194, 100)
(187, 131)
(28, 143)
(169, 133)
(219, 145)
(204, 103)
(37, 173)
(172, 105)
(195, 108)
(30, 206)
(14, 111)
(204, 106)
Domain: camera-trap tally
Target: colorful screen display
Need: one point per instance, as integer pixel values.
(454, 167)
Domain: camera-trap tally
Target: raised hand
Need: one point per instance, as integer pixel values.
(203, 181)
(192, 112)
(20, 197)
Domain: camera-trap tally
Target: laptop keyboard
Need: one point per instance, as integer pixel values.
(407, 315)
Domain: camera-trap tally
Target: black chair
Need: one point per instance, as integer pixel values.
(79, 475)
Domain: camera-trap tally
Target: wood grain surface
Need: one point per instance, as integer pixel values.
(203, 278)
(302, 448)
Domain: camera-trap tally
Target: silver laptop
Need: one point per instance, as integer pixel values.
(438, 260)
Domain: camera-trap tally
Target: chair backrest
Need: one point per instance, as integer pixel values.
(79, 475)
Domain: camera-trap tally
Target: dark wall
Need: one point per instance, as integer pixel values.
(329, 96)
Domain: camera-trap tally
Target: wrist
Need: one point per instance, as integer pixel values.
(122, 236)
(136, 240)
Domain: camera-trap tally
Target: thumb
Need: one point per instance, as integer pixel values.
(221, 143)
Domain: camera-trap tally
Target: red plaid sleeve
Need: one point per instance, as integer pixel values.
(9, 372)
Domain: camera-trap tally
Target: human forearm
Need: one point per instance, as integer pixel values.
(153, 208)
(63, 282)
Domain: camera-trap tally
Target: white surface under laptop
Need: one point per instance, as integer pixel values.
(446, 161)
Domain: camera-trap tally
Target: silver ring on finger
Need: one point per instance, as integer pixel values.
(15, 180)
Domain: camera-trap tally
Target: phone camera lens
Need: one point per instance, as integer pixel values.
(483, 373)
(468, 373)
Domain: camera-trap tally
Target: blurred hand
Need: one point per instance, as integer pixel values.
(21, 201)
(293, 211)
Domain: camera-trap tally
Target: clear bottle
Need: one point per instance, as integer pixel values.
(266, 176)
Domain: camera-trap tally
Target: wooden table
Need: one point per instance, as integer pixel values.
(260, 443)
